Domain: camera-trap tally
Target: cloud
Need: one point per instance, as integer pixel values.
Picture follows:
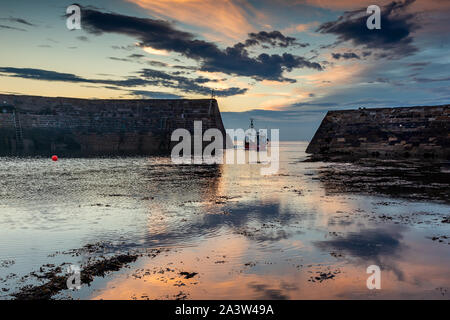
(418, 6)
(184, 67)
(273, 38)
(394, 38)
(418, 64)
(15, 20)
(125, 48)
(343, 4)
(428, 80)
(11, 28)
(334, 76)
(18, 20)
(188, 85)
(230, 18)
(155, 94)
(236, 61)
(303, 27)
(139, 58)
(136, 56)
(119, 59)
(83, 38)
(148, 77)
(155, 63)
(346, 55)
(161, 36)
(39, 74)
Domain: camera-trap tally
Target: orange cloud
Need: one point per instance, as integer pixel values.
(338, 74)
(282, 99)
(155, 51)
(303, 27)
(231, 18)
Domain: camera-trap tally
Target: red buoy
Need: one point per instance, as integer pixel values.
(55, 158)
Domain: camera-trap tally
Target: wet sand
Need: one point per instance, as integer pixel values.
(225, 231)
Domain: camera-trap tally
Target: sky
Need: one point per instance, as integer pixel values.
(284, 63)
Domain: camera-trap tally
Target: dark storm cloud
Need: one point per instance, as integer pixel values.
(273, 38)
(235, 60)
(346, 55)
(187, 84)
(394, 36)
(148, 77)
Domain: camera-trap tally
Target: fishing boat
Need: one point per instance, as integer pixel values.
(255, 139)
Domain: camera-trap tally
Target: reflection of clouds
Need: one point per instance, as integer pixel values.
(240, 214)
(240, 218)
(266, 292)
(366, 244)
(228, 280)
(199, 200)
(381, 247)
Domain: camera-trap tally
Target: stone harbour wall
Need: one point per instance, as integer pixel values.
(404, 132)
(99, 127)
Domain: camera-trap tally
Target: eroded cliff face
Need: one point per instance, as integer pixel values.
(39, 125)
(410, 132)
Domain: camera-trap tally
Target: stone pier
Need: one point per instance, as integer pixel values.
(72, 126)
(406, 132)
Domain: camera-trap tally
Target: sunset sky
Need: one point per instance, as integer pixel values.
(282, 62)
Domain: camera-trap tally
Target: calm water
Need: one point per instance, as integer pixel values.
(247, 236)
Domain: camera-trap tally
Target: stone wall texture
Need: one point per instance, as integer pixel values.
(100, 127)
(406, 132)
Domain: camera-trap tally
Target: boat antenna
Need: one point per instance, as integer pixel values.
(213, 95)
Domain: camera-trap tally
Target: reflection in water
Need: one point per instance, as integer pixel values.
(246, 236)
(411, 180)
(369, 245)
(378, 247)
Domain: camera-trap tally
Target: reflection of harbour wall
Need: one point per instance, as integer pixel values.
(31, 124)
(419, 132)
